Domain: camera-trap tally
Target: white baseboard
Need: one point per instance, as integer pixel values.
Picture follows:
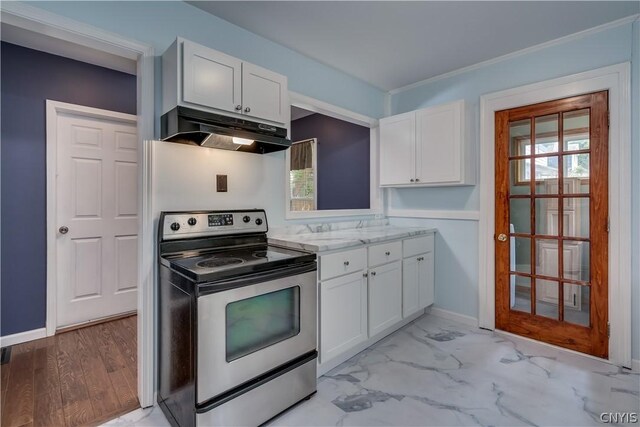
(457, 317)
(635, 365)
(21, 337)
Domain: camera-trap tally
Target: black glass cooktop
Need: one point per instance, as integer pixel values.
(230, 262)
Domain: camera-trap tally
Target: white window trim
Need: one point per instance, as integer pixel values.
(39, 21)
(375, 194)
(615, 79)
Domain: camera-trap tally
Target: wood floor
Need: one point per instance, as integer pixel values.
(78, 378)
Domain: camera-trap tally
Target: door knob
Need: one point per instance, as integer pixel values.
(63, 230)
(502, 237)
(238, 107)
(247, 109)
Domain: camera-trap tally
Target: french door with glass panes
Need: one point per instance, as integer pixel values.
(552, 222)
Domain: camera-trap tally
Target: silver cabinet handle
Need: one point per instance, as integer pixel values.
(238, 107)
(417, 179)
(247, 109)
(387, 253)
(373, 273)
(63, 230)
(420, 258)
(365, 275)
(412, 180)
(346, 263)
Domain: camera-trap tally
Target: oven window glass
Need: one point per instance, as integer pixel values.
(258, 322)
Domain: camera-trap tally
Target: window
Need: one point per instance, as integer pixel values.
(303, 176)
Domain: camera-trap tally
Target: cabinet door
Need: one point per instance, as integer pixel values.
(385, 297)
(263, 93)
(410, 286)
(343, 314)
(426, 278)
(439, 144)
(210, 78)
(397, 149)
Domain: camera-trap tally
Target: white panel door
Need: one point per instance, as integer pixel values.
(263, 93)
(96, 197)
(439, 143)
(211, 78)
(343, 314)
(385, 297)
(397, 149)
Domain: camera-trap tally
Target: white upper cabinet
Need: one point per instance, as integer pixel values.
(397, 149)
(210, 78)
(263, 93)
(199, 77)
(426, 148)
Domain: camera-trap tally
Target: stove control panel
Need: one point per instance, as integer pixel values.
(182, 225)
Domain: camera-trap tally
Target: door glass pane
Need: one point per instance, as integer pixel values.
(546, 171)
(576, 304)
(258, 322)
(547, 134)
(547, 216)
(547, 298)
(520, 293)
(576, 260)
(520, 177)
(575, 130)
(576, 210)
(547, 257)
(576, 173)
(520, 256)
(520, 215)
(520, 138)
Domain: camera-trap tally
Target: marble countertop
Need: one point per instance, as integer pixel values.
(343, 238)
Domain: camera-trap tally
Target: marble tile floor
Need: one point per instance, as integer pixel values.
(437, 372)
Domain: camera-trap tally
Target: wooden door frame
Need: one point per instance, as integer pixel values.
(615, 79)
(41, 22)
(53, 111)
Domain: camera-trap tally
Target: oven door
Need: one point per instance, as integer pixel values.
(254, 326)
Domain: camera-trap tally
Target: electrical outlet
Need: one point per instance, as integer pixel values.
(221, 183)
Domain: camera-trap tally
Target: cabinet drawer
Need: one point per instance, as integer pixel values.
(418, 245)
(340, 263)
(384, 253)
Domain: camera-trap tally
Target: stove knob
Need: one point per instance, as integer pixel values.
(246, 218)
(258, 221)
(192, 221)
(175, 226)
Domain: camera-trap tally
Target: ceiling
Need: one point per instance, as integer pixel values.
(391, 44)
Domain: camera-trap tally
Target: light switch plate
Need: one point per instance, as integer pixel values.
(221, 183)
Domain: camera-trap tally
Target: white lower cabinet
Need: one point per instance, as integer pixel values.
(410, 286)
(385, 297)
(418, 274)
(366, 292)
(343, 314)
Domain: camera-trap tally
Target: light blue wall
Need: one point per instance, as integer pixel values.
(457, 285)
(157, 23)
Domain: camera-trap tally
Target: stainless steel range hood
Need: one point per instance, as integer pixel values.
(194, 127)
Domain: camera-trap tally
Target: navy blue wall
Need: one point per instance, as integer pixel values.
(28, 78)
(343, 160)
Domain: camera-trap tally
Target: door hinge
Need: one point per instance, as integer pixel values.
(608, 224)
(608, 119)
(608, 330)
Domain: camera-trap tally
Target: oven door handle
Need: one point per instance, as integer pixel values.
(226, 285)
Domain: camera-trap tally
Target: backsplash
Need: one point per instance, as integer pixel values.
(329, 226)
